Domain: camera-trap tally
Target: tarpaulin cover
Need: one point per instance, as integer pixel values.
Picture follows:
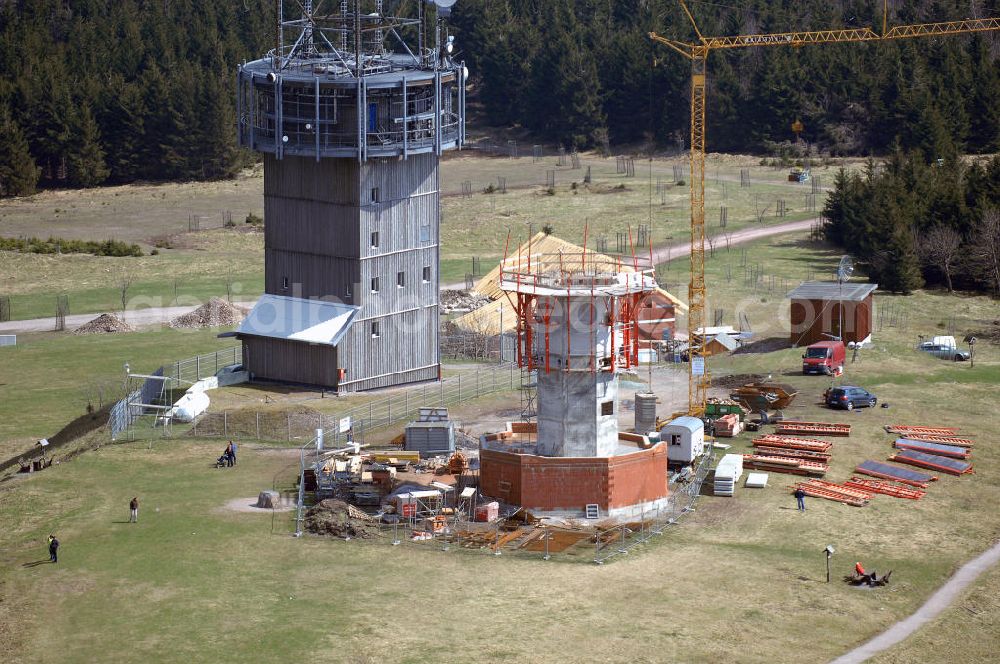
(935, 461)
(932, 448)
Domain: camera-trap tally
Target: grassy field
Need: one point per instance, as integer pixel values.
(47, 381)
(196, 581)
(194, 266)
(737, 575)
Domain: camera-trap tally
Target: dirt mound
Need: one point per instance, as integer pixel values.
(337, 518)
(735, 380)
(104, 324)
(214, 313)
(768, 345)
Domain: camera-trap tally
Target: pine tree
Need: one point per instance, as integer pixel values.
(86, 165)
(18, 173)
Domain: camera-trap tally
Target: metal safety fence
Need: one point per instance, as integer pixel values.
(511, 536)
(400, 405)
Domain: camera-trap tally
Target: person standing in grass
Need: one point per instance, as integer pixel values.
(53, 549)
(800, 496)
(232, 453)
(133, 507)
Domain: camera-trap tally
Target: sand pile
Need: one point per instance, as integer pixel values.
(214, 313)
(104, 324)
(337, 518)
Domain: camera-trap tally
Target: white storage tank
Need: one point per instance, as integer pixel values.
(685, 438)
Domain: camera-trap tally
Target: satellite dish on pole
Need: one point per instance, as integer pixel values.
(845, 269)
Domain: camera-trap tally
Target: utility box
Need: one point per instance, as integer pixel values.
(685, 439)
(430, 438)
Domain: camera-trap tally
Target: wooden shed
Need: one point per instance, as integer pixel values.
(295, 340)
(824, 309)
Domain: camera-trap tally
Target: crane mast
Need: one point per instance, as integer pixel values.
(697, 52)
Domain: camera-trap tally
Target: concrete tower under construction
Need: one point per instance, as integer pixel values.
(352, 111)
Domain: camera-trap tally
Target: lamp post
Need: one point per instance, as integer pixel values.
(972, 352)
(829, 552)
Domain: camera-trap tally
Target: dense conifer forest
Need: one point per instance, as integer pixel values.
(95, 92)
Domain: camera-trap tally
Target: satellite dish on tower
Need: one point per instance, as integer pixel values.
(443, 6)
(845, 269)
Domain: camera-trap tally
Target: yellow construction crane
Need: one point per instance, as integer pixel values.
(697, 53)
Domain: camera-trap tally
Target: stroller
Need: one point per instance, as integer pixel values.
(222, 461)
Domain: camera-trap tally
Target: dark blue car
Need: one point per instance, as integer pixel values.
(850, 397)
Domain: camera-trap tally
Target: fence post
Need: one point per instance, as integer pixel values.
(406, 402)
(257, 413)
(389, 401)
(288, 426)
(225, 424)
(216, 361)
(197, 367)
(459, 388)
(477, 382)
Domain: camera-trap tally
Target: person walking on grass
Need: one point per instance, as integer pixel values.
(133, 507)
(800, 497)
(53, 549)
(232, 453)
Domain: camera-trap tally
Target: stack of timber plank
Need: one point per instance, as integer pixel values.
(886, 488)
(813, 428)
(836, 492)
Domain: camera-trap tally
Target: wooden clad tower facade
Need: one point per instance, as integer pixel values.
(352, 134)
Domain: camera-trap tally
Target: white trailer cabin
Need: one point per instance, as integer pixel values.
(685, 438)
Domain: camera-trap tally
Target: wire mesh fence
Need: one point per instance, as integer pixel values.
(397, 406)
(453, 530)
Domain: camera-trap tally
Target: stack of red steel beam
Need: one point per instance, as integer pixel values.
(906, 429)
(815, 428)
(792, 443)
(785, 464)
(836, 492)
(792, 453)
(886, 488)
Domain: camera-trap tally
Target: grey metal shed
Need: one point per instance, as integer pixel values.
(430, 438)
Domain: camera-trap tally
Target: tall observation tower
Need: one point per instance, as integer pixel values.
(352, 111)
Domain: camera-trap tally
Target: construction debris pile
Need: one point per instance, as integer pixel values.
(214, 313)
(340, 519)
(460, 301)
(104, 324)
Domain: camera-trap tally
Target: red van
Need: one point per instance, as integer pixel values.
(824, 357)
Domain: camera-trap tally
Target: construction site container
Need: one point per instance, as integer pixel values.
(430, 438)
(685, 437)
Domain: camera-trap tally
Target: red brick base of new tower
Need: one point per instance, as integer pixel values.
(622, 485)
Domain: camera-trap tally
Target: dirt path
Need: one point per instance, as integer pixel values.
(162, 315)
(672, 252)
(136, 318)
(937, 603)
(663, 254)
